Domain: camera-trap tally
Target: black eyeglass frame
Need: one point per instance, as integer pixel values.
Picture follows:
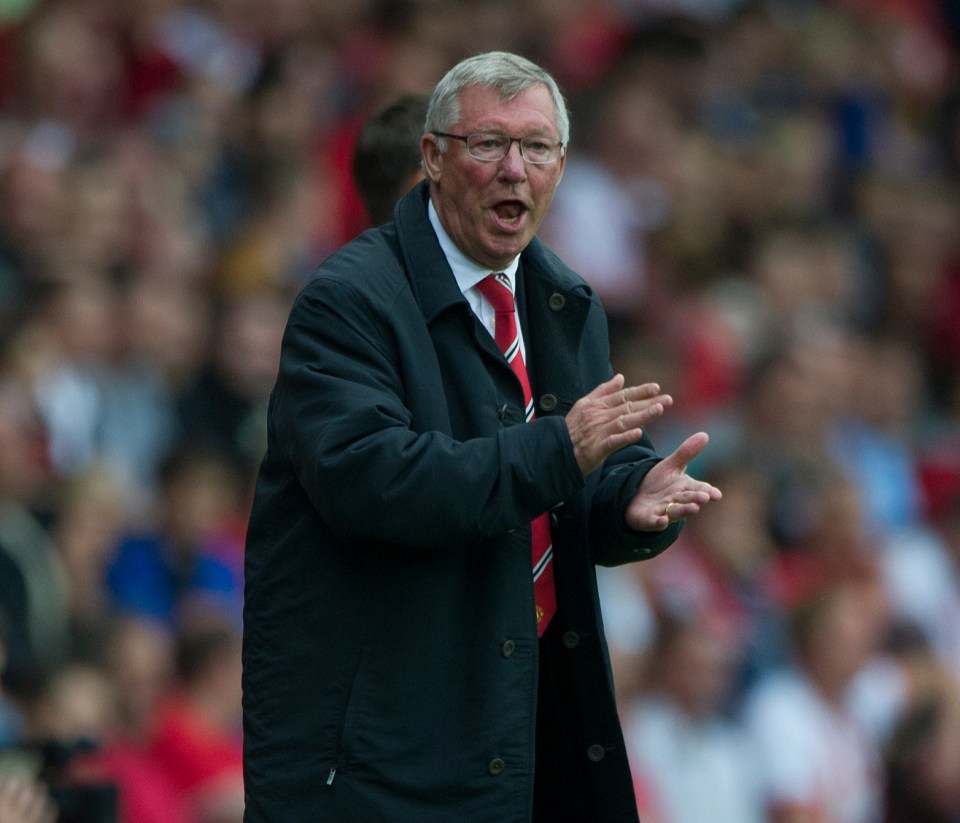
(559, 146)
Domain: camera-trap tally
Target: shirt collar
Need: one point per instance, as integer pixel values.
(466, 271)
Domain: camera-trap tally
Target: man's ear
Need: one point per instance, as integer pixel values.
(432, 157)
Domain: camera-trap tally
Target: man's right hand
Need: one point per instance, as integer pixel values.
(610, 417)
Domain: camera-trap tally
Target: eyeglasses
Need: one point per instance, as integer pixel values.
(489, 148)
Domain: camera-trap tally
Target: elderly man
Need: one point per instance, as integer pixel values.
(446, 465)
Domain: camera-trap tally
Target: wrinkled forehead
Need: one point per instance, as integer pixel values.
(530, 109)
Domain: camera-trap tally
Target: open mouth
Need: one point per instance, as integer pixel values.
(510, 211)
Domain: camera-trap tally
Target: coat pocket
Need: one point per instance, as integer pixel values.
(348, 718)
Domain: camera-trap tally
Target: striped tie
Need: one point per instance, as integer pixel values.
(496, 288)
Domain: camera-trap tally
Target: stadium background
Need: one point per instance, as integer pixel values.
(763, 193)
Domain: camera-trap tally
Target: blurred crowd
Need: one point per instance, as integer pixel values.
(764, 194)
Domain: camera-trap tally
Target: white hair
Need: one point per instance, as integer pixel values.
(507, 73)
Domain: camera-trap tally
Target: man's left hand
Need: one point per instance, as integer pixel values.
(668, 493)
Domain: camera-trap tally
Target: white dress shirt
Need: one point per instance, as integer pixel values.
(468, 273)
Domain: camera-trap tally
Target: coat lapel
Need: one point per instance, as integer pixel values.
(434, 285)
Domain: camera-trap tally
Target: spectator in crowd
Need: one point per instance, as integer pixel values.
(721, 572)
(875, 440)
(923, 759)
(65, 351)
(197, 740)
(696, 763)
(615, 197)
(815, 757)
(32, 204)
(96, 765)
(69, 715)
(225, 407)
(189, 560)
(836, 545)
(788, 405)
(922, 569)
(386, 158)
(25, 801)
(32, 582)
(270, 192)
(629, 624)
(135, 674)
(23, 797)
(90, 517)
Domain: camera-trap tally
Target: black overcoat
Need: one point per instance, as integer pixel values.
(390, 645)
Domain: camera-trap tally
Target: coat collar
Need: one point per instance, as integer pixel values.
(549, 289)
(434, 285)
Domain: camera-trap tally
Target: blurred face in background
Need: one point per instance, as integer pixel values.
(248, 344)
(694, 668)
(140, 664)
(841, 631)
(24, 463)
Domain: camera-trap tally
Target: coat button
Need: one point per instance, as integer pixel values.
(496, 766)
(596, 752)
(548, 402)
(508, 648)
(571, 640)
(557, 301)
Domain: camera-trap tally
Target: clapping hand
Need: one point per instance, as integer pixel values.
(610, 417)
(667, 493)
(613, 416)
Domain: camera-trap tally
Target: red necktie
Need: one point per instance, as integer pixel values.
(496, 288)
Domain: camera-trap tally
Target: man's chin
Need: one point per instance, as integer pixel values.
(506, 245)
(497, 259)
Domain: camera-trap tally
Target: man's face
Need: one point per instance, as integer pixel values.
(492, 210)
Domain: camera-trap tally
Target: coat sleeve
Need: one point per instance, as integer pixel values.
(613, 541)
(338, 417)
